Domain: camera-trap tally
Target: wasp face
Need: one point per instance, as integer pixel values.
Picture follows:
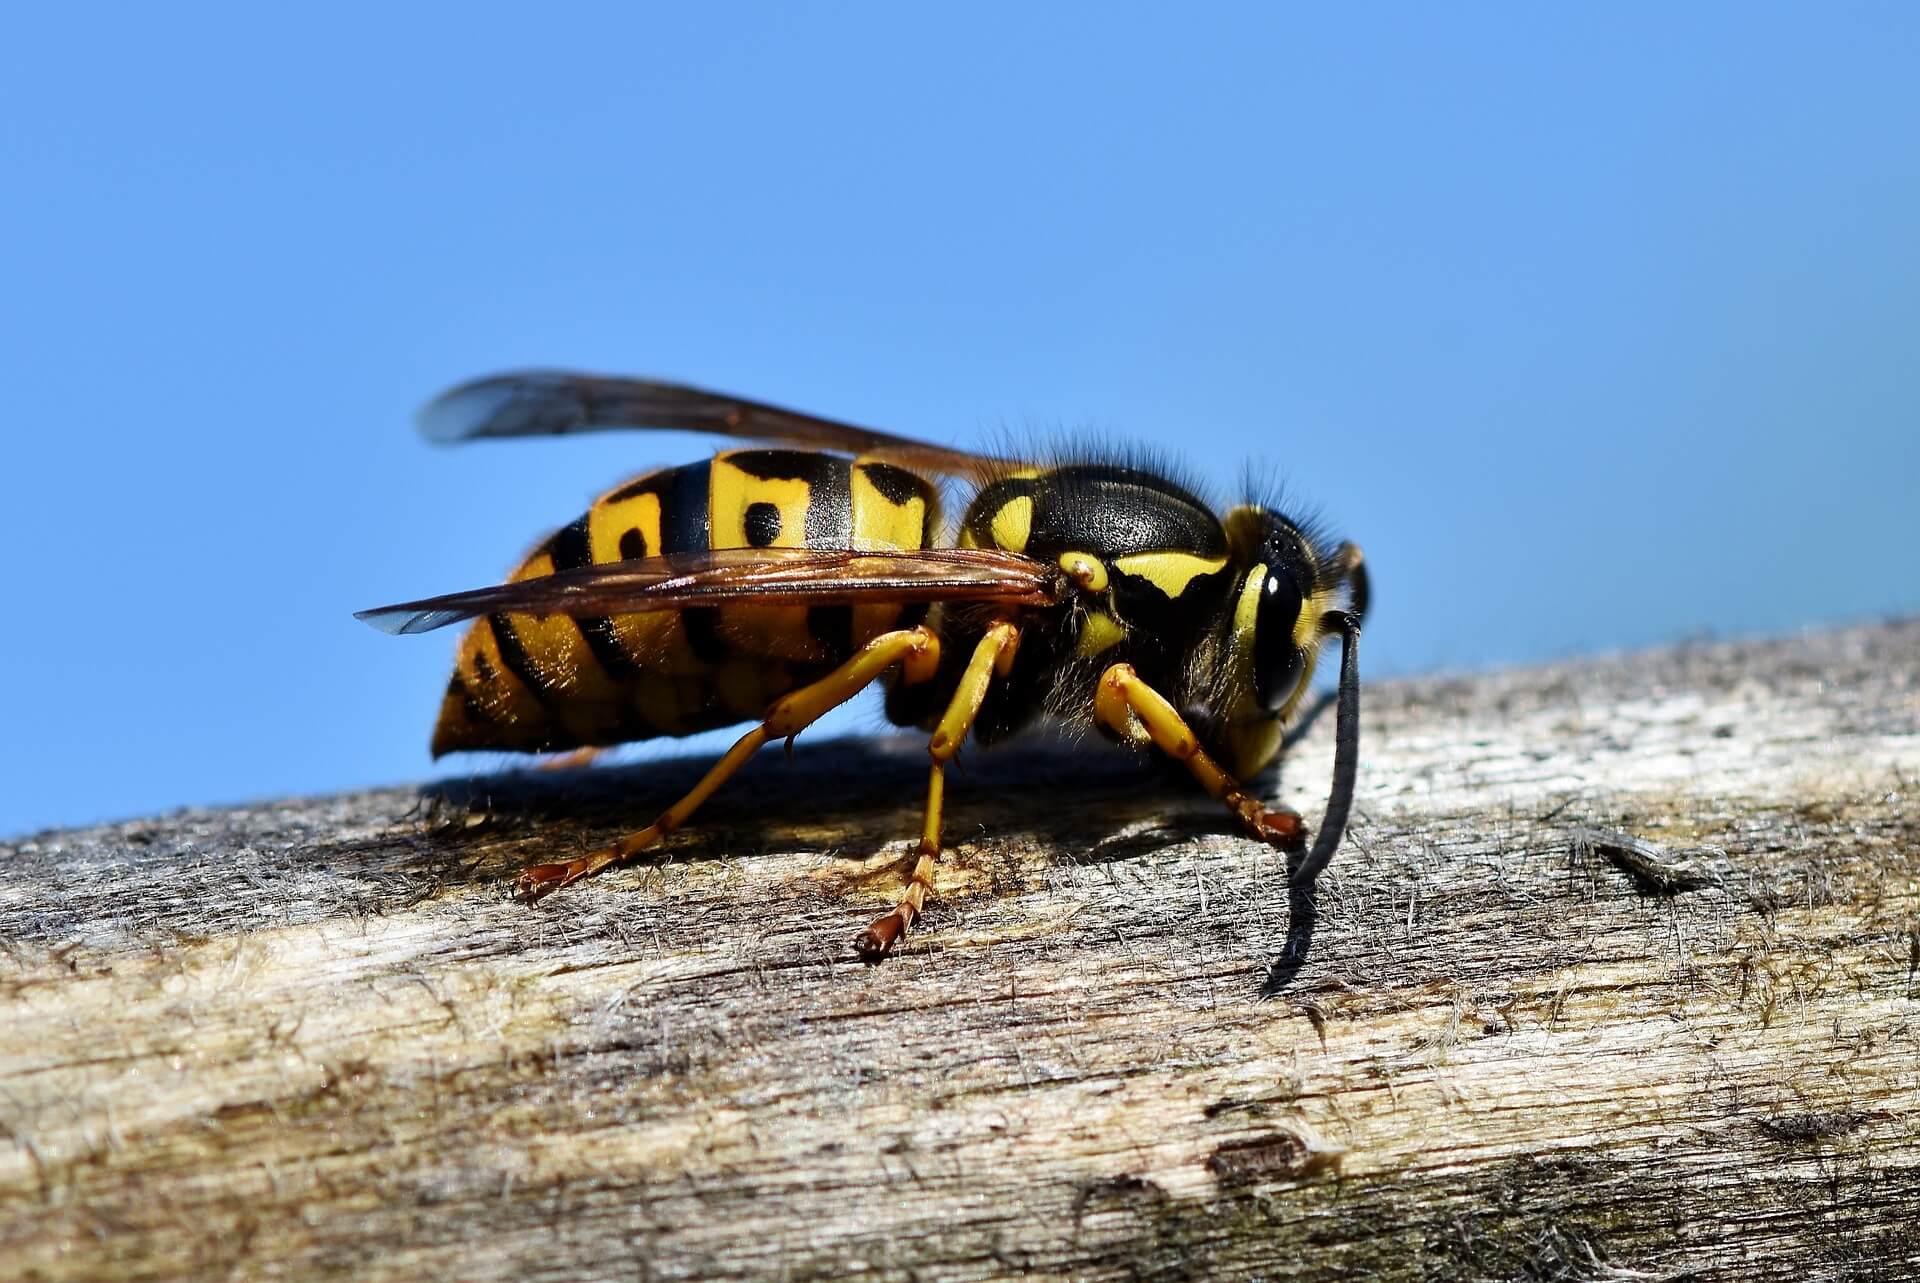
(1284, 586)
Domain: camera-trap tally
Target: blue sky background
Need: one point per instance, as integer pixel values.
(1597, 327)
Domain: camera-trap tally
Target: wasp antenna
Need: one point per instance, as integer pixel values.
(1346, 750)
(1359, 589)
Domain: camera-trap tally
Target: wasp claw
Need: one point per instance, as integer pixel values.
(539, 881)
(878, 940)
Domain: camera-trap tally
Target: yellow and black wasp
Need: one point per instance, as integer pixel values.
(773, 584)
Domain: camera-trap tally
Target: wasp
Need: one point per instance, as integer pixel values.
(773, 582)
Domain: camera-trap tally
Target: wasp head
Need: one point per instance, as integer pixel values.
(1288, 580)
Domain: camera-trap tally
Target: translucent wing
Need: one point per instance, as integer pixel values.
(554, 403)
(770, 576)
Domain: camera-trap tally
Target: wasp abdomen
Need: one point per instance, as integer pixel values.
(547, 683)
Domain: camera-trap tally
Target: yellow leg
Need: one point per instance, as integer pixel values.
(1126, 705)
(916, 650)
(993, 657)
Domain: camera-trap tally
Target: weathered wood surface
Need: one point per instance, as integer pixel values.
(312, 1038)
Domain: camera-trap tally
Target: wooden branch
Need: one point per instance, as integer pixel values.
(1617, 977)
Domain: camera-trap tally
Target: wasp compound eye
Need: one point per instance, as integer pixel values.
(1277, 660)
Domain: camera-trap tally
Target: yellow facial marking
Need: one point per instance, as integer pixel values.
(1085, 569)
(1012, 525)
(1170, 572)
(1247, 610)
(1100, 633)
(1254, 737)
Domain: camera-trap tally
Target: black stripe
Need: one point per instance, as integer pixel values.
(830, 503)
(684, 523)
(607, 647)
(781, 465)
(514, 655)
(571, 549)
(652, 483)
(896, 485)
(685, 526)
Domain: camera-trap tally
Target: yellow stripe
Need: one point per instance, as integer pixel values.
(1170, 572)
(1012, 525)
(1246, 611)
(555, 645)
(608, 520)
(763, 632)
(734, 491)
(506, 700)
(655, 640)
(879, 523)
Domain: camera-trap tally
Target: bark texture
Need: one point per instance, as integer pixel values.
(1618, 976)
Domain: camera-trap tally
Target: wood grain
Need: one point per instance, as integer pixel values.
(312, 1038)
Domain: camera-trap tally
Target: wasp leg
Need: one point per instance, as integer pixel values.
(993, 657)
(917, 650)
(1128, 706)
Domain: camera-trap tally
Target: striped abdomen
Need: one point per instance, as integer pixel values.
(543, 684)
